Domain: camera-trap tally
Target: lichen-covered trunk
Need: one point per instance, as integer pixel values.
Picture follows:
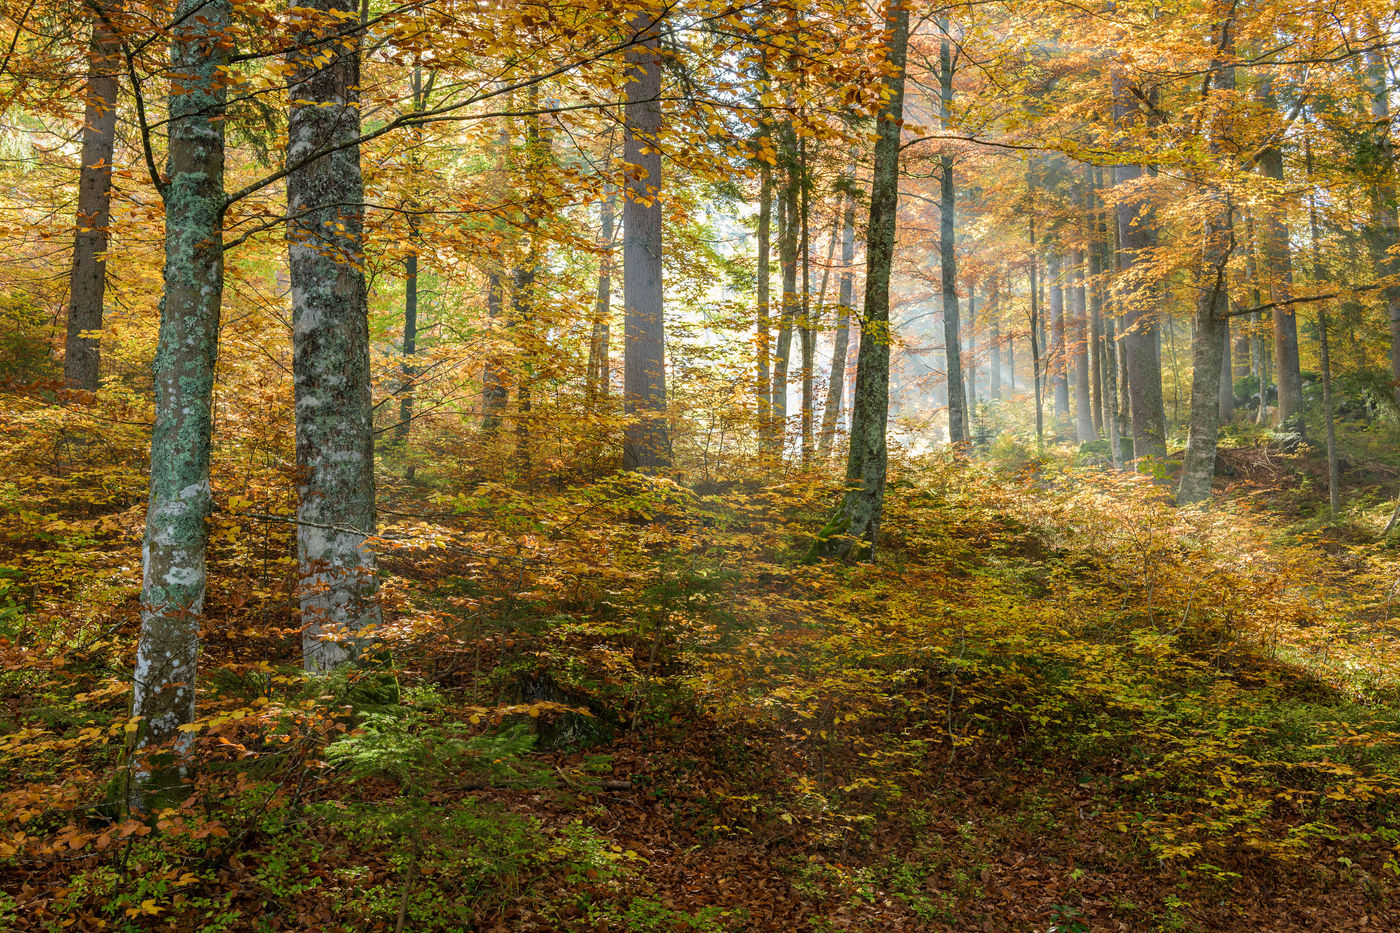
(646, 441)
(856, 524)
(172, 558)
(88, 280)
(1083, 402)
(835, 386)
(330, 338)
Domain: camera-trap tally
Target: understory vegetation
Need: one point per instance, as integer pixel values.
(621, 702)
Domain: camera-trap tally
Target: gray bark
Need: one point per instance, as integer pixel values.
(173, 554)
(88, 280)
(857, 519)
(330, 340)
(646, 442)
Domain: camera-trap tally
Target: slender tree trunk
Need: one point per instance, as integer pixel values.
(1210, 338)
(787, 267)
(1110, 385)
(1037, 371)
(1227, 375)
(1083, 402)
(410, 309)
(857, 519)
(646, 443)
(835, 387)
(807, 331)
(994, 337)
(970, 359)
(494, 391)
(1323, 348)
(599, 346)
(765, 349)
(410, 348)
(959, 429)
(177, 532)
(330, 340)
(88, 281)
(1059, 357)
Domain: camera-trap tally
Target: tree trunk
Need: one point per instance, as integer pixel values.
(787, 260)
(765, 348)
(959, 429)
(994, 338)
(835, 387)
(1323, 349)
(599, 346)
(88, 281)
(646, 442)
(494, 392)
(1385, 210)
(1278, 257)
(1058, 356)
(806, 329)
(857, 519)
(330, 340)
(1037, 370)
(1211, 338)
(177, 531)
(970, 359)
(1227, 375)
(1083, 401)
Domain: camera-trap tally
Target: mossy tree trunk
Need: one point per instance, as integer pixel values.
(856, 525)
(173, 555)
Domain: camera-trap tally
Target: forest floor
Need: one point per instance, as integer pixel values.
(1055, 703)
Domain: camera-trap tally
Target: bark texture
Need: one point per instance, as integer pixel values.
(173, 568)
(1083, 401)
(646, 443)
(330, 338)
(87, 284)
